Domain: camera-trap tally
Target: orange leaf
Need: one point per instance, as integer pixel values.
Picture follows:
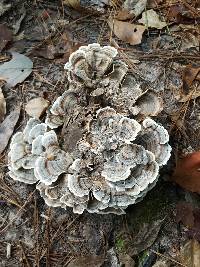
(187, 172)
(127, 32)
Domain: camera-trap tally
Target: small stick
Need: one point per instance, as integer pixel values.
(11, 222)
(168, 258)
(24, 258)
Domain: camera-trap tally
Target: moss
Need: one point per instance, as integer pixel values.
(153, 207)
(120, 244)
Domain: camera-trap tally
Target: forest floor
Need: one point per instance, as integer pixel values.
(163, 230)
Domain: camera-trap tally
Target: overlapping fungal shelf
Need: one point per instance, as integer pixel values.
(110, 150)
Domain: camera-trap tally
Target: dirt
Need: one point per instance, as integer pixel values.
(42, 236)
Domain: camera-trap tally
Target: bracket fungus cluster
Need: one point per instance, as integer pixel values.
(99, 149)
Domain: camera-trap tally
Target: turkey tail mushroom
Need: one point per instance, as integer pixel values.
(109, 151)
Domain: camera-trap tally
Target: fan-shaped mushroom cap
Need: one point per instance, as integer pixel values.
(110, 128)
(95, 72)
(63, 105)
(155, 138)
(89, 63)
(149, 104)
(21, 161)
(53, 193)
(35, 155)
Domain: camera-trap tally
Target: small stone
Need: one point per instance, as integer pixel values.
(8, 251)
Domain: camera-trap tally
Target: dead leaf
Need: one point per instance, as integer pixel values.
(135, 7)
(189, 40)
(88, 6)
(189, 88)
(66, 45)
(124, 15)
(182, 13)
(175, 13)
(7, 128)
(62, 48)
(187, 172)
(192, 95)
(4, 7)
(127, 32)
(151, 20)
(126, 260)
(154, 3)
(187, 36)
(184, 214)
(47, 52)
(189, 74)
(5, 36)
(190, 254)
(190, 217)
(16, 70)
(2, 106)
(87, 261)
(36, 107)
(143, 239)
(17, 25)
(72, 3)
(160, 263)
(179, 122)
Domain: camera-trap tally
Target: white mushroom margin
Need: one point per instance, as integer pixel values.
(35, 155)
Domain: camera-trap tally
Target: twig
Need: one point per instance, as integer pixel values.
(24, 255)
(56, 236)
(192, 9)
(11, 222)
(168, 258)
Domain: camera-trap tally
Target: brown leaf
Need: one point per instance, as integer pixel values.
(2, 106)
(190, 254)
(126, 260)
(161, 263)
(63, 48)
(7, 128)
(5, 36)
(87, 261)
(189, 74)
(36, 107)
(184, 214)
(135, 6)
(127, 32)
(175, 13)
(187, 36)
(190, 217)
(72, 3)
(187, 172)
(145, 237)
(192, 95)
(47, 52)
(66, 45)
(124, 14)
(97, 6)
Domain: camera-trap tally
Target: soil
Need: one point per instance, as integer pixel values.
(42, 236)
